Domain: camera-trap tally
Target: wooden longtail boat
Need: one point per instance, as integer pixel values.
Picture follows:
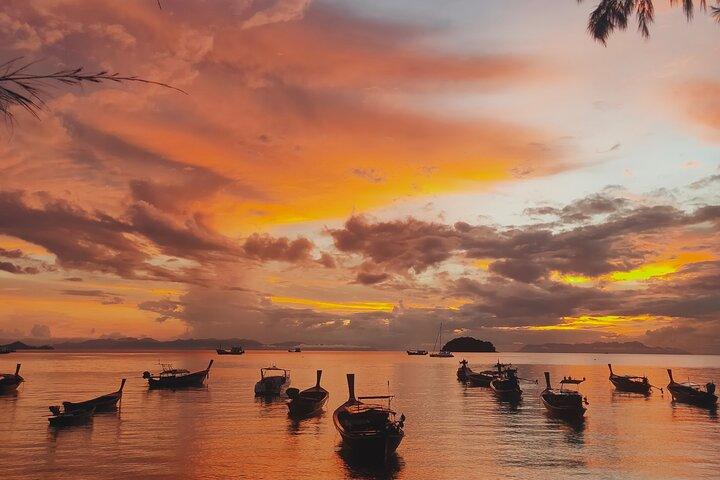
(271, 382)
(563, 402)
(691, 393)
(367, 429)
(463, 371)
(62, 418)
(507, 384)
(483, 378)
(9, 382)
(170, 377)
(230, 351)
(630, 383)
(308, 402)
(417, 352)
(103, 403)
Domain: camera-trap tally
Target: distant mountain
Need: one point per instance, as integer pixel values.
(24, 346)
(468, 344)
(131, 343)
(600, 347)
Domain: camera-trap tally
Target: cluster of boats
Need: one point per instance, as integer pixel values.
(567, 401)
(367, 424)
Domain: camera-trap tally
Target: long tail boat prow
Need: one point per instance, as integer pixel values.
(692, 393)
(102, 403)
(308, 402)
(368, 429)
(563, 402)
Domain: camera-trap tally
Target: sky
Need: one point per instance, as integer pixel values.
(355, 173)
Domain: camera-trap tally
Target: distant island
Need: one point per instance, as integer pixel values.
(600, 347)
(15, 346)
(147, 343)
(468, 344)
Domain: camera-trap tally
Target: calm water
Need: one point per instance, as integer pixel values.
(452, 431)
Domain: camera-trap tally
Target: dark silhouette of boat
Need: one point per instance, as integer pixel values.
(230, 351)
(9, 382)
(368, 429)
(272, 382)
(6, 350)
(308, 402)
(63, 418)
(692, 393)
(630, 383)
(170, 377)
(417, 352)
(295, 350)
(563, 402)
(103, 403)
(483, 378)
(438, 341)
(506, 385)
(463, 371)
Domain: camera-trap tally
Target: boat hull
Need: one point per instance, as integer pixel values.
(196, 379)
(411, 352)
(9, 386)
(563, 411)
(79, 417)
(624, 385)
(226, 352)
(268, 386)
(698, 398)
(380, 445)
(506, 390)
(306, 407)
(479, 379)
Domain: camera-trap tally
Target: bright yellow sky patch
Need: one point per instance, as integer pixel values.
(620, 324)
(336, 306)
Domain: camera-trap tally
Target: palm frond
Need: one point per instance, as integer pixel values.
(645, 16)
(20, 88)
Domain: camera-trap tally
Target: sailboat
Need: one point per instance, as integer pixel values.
(438, 340)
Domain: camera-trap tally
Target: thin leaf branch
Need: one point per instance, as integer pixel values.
(21, 88)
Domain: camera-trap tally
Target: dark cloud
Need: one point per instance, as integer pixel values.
(17, 269)
(403, 246)
(326, 260)
(264, 247)
(368, 278)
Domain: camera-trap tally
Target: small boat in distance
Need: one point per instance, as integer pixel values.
(368, 429)
(4, 350)
(231, 351)
(417, 352)
(295, 350)
(630, 383)
(691, 393)
(9, 382)
(272, 382)
(170, 377)
(63, 418)
(463, 371)
(308, 402)
(564, 402)
(103, 403)
(441, 353)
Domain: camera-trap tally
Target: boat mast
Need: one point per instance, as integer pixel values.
(437, 337)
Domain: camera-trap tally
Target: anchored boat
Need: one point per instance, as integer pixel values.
(564, 402)
(417, 352)
(170, 377)
(368, 429)
(308, 402)
(64, 418)
(463, 371)
(692, 393)
(273, 381)
(483, 378)
(438, 341)
(630, 383)
(231, 351)
(507, 384)
(9, 382)
(103, 403)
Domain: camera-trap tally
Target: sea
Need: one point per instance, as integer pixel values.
(453, 431)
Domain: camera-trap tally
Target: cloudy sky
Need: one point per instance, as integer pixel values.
(354, 173)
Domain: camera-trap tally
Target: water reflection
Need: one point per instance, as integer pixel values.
(357, 466)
